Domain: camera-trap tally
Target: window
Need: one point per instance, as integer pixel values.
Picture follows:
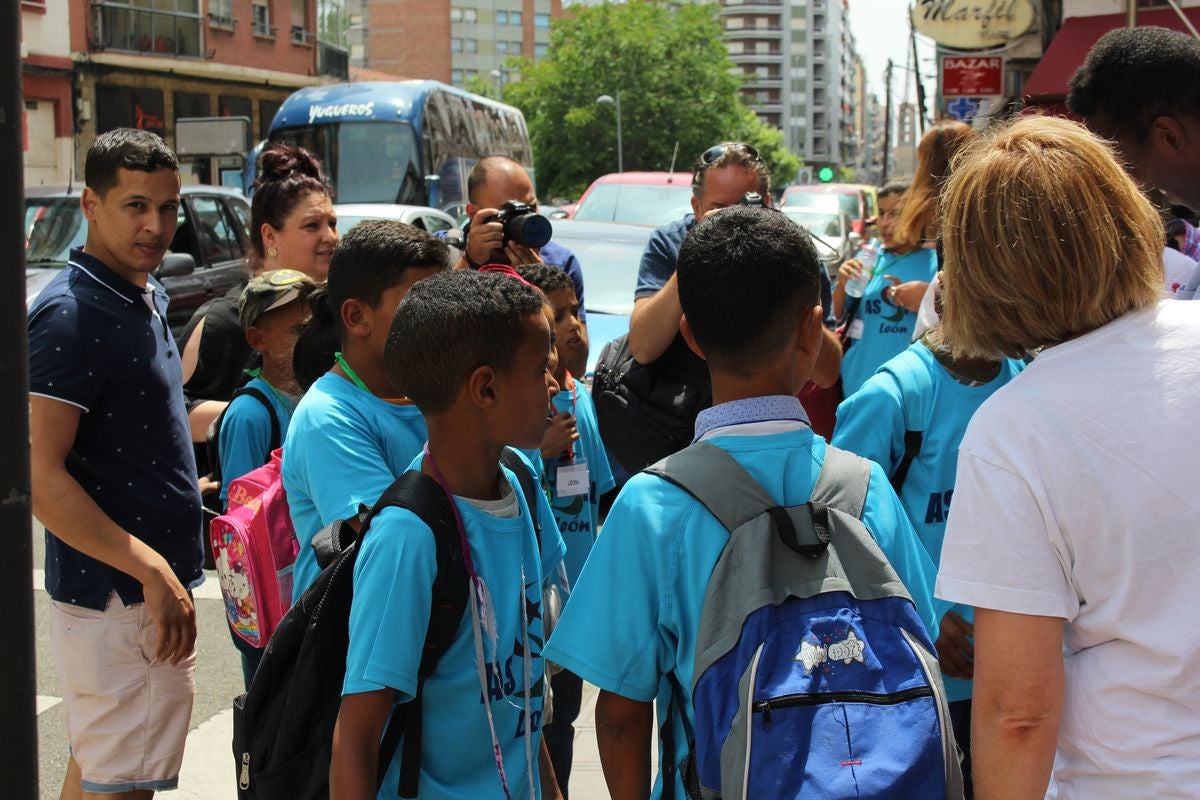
(456, 45)
(171, 27)
(218, 241)
(501, 17)
(516, 48)
(456, 77)
(501, 47)
(220, 13)
(541, 20)
(301, 32)
(471, 45)
(515, 18)
(261, 20)
(470, 15)
(539, 50)
(455, 14)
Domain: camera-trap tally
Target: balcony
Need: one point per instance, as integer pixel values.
(746, 6)
(761, 82)
(136, 29)
(332, 61)
(301, 36)
(769, 57)
(737, 34)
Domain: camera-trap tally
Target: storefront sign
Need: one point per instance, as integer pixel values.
(972, 76)
(972, 24)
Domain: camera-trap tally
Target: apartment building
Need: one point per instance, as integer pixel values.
(448, 40)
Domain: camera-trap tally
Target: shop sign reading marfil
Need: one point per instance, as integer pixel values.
(972, 76)
(973, 24)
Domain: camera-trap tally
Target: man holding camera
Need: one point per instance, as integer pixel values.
(727, 174)
(496, 189)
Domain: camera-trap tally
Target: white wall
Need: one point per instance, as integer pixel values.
(47, 34)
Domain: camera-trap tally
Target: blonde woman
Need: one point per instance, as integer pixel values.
(1073, 531)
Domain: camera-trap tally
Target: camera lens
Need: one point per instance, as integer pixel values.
(531, 230)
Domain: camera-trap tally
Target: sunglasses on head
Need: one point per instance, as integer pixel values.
(714, 153)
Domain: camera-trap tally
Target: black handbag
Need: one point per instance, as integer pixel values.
(647, 412)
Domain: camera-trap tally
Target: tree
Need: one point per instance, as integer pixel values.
(676, 83)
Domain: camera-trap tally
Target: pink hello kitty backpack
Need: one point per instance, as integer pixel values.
(254, 546)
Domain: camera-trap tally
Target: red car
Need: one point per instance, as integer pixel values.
(639, 198)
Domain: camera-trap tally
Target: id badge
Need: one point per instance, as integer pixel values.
(855, 331)
(572, 479)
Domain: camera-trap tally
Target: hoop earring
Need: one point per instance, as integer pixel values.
(272, 252)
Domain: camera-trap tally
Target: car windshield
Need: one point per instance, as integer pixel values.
(638, 204)
(53, 225)
(843, 202)
(610, 267)
(821, 223)
(368, 162)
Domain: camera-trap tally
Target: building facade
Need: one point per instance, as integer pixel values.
(95, 65)
(452, 41)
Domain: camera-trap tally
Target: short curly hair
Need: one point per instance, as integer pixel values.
(545, 277)
(1133, 75)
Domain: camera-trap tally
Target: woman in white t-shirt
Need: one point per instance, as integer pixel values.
(1073, 530)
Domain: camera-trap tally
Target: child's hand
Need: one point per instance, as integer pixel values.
(560, 433)
(848, 272)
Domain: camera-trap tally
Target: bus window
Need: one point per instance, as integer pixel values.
(367, 162)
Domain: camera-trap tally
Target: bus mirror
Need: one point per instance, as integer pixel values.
(433, 187)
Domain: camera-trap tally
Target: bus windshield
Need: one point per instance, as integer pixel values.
(367, 162)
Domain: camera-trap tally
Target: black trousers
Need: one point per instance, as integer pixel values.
(960, 721)
(567, 689)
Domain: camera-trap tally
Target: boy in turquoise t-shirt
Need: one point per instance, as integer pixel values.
(576, 475)
(879, 325)
(480, 377)
(273, 310)
(351, 436)
(872, 423)
(750, 294)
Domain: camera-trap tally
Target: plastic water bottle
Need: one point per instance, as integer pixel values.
(867, 257)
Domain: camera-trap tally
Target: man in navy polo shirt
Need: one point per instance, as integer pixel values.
(494, 181)
(114, 480)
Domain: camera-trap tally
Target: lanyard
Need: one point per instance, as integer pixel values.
(283, 399)
(573, 385)
(350, 373)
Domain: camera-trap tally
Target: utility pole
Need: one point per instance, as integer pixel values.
(887, 122)
(18, 714)
(912, 38)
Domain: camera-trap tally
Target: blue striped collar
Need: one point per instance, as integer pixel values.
(750, 410)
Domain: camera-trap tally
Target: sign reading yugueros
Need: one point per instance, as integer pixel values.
(973, 24)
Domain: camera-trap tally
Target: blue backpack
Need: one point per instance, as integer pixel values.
(814, 675)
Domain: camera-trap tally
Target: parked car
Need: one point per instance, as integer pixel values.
(835, 240)
(609, 253)
(423, 217)
(851, 198)
(208, 256)
(636, 198)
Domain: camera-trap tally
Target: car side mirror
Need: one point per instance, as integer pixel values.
(559, 214)
(176, 265)
(856, 240)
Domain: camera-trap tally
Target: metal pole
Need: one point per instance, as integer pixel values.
(620, 145)
(1131, 13)
(887, 122)
(18, 715)
(912, 37)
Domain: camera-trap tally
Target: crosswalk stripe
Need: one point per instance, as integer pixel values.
(45, 702)
(209, 590)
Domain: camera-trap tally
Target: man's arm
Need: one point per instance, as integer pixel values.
(66, 509)
(1016, 703)
(655, 323)
(550, 787)
(354, 766)
(829, 360)
(623, 731)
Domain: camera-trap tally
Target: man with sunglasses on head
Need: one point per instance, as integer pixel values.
(723, 176)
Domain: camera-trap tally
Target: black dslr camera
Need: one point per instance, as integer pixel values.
(752, 199)
(523, 225)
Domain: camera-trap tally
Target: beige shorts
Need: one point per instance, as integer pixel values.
(127, 718)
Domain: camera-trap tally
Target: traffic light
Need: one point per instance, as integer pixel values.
(825, 175)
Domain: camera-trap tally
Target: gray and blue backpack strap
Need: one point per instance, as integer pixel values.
(912, 375)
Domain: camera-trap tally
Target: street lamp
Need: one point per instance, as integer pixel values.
(498, 77)
(606, 99)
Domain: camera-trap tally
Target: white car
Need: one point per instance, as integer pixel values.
(423, 217)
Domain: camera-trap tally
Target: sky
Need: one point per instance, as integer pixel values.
(881, 30)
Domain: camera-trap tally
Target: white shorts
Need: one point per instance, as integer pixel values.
(127, 718)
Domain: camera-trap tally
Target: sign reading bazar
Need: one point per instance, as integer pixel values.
(972, 76)
(971, 24)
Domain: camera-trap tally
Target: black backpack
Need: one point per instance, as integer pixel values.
(646, 412)
(283, 726)
(213, 436)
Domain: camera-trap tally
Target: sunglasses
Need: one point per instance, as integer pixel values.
(714, 153)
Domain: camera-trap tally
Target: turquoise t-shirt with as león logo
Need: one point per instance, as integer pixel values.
(879, 328)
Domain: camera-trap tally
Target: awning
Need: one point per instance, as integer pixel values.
(1076, 37)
